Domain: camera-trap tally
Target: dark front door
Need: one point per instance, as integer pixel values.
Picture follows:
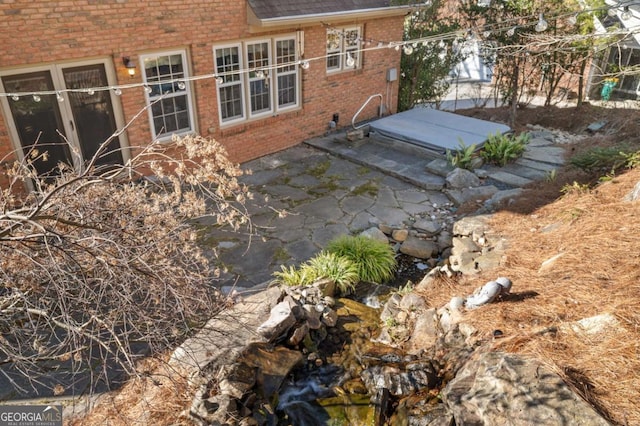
(75, 118)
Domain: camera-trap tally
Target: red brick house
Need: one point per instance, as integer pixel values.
(258, 75)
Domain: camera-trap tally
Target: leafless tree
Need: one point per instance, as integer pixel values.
(102, 265)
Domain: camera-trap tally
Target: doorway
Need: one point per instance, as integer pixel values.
(71, 127)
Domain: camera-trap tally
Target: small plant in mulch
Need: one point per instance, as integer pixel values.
(501, 149)
(606, 159)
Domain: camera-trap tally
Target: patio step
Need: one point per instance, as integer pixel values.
(392, 157)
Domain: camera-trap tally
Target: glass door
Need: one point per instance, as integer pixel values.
(72, 127)
(92, 113)
(38, 121)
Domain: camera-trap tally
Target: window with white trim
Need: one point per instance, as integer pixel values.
(343, 49)
(258, 78)
(169, 98)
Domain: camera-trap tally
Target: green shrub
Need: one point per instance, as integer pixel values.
(339, 269)
(502, 149)
(608, 159)
(374, 260)
(463, 156)
(632, 160)
(293, 276)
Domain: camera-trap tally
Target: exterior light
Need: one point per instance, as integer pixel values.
(542, 24)
(130, 65)
(350, 61)
(626, 13)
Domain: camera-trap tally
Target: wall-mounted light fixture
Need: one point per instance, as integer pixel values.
(130, 65)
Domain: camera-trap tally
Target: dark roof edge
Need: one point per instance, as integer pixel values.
(319, 17)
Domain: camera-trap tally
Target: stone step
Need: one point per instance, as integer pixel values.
(550, 154)
(536, 142)
(519, 170)
(545, 167)
(509, 179)
(439, 167)
(388, 156)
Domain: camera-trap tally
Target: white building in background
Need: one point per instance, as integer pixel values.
(622, 59)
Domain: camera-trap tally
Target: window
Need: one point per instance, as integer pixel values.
(171, 109)
(622, 61)
(267, 84)
(231, 103)
(343, 49)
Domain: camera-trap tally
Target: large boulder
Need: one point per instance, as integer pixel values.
(505, 389)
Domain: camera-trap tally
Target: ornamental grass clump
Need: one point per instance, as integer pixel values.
(375, 260)
(339, 269)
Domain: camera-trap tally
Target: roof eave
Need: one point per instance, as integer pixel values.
(302, 20)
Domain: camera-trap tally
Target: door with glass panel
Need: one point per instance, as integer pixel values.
(73, 125)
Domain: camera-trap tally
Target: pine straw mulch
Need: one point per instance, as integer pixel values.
(595, 234)
(158, 397)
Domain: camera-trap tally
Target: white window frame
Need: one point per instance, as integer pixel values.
(286, 70)
(150, 97)
(252, 76)
(343, 50)
(228, 80)
(249, 73)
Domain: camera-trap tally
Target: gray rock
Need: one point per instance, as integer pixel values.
(461, 178)
(429, 227)
(329, 318)
(444, 240)
(236, 379)
(489, 260)
(470, 225)
(500, 196)
(425, 332)
(375, 234)
(416, 247)
(400, 380)
(391, 308)
(463, 245)
(505, 389)
(461, 196)
(411, 302)
(634, 195)
(440, 167)
(510, 179)
(279, 322)
(299, 334)
(464, 263)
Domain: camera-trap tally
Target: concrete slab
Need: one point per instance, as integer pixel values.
(436, 130)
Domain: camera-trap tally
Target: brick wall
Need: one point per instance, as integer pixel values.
(45, 32)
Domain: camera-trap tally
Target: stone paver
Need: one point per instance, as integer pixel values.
(328, 187)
